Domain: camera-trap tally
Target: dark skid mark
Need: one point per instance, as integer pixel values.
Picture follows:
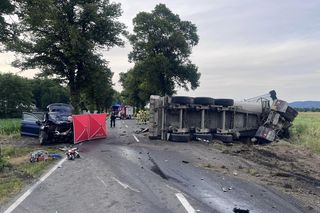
(159, 172)
(156, 169)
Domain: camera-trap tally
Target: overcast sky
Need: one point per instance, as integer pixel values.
(246, 47)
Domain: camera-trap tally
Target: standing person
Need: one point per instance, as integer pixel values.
(113, 120)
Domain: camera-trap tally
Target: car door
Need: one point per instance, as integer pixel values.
(30, 124)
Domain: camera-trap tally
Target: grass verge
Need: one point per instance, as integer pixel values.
(9, 126)
(16, 171)
(306, 130)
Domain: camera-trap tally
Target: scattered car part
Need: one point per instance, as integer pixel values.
(72, 154)
(42, 155)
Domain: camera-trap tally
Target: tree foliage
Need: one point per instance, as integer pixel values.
(15, 95)
(63, 38)
(133, 94)
(47, 91)
(18, 94)
(162, 44)
(98, 91)
(6, 8)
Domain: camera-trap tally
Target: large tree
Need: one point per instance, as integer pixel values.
(162, 44)
(135, 91)
(63, 38)
(98, 91)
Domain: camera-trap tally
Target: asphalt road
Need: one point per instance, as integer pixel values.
(114, 175)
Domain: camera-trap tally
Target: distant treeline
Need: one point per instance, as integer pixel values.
(307, 109)
(18, 94)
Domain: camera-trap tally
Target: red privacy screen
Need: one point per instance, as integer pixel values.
(89, 127)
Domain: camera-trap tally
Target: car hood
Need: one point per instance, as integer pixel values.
(59, 118)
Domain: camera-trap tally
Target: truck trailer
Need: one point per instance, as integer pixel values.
(181, 118)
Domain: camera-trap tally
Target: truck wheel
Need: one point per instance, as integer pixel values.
(180, 137)
(224, 102)
(203, 100)
(181, 100)
(224, 138)
(43, 137)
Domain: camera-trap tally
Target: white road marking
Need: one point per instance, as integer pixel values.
(126, 186)
(185, 203)
(102, 181)
(135, 137)
(173, 189)
(29, 191)
(126, 126)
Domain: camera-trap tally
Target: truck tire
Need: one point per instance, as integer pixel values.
(180, 137)
(203, 100)
(224, 102)
(43, 137)
(224, 138)
(181, 100)
(200, 136)
(290, 114)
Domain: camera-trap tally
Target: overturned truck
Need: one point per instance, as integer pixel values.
(179, 118)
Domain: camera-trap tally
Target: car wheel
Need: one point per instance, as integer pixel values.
(204, 100)
(224, 102)
(43, 137)
(181, 100)
(180, 137)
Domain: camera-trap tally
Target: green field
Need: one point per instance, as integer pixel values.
(306, 130)
(9, 126)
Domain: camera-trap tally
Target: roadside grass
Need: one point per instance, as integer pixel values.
(10, 185)
(16, 171)
(9, 126)
(306, 130)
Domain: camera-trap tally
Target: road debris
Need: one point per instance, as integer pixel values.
(186, 162)
(238, 210)
(42, 155)
(72, 154)
(201, 139)
(225, 189)
(142, 130)
(65, 148)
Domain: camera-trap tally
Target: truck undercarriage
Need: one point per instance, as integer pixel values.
(181, 118)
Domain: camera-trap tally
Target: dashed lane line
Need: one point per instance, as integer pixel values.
(126, 186)
(185, 203)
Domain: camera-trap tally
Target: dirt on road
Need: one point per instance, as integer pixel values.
(282, 166)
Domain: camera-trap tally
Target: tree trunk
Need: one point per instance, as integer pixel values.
(75, 98)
